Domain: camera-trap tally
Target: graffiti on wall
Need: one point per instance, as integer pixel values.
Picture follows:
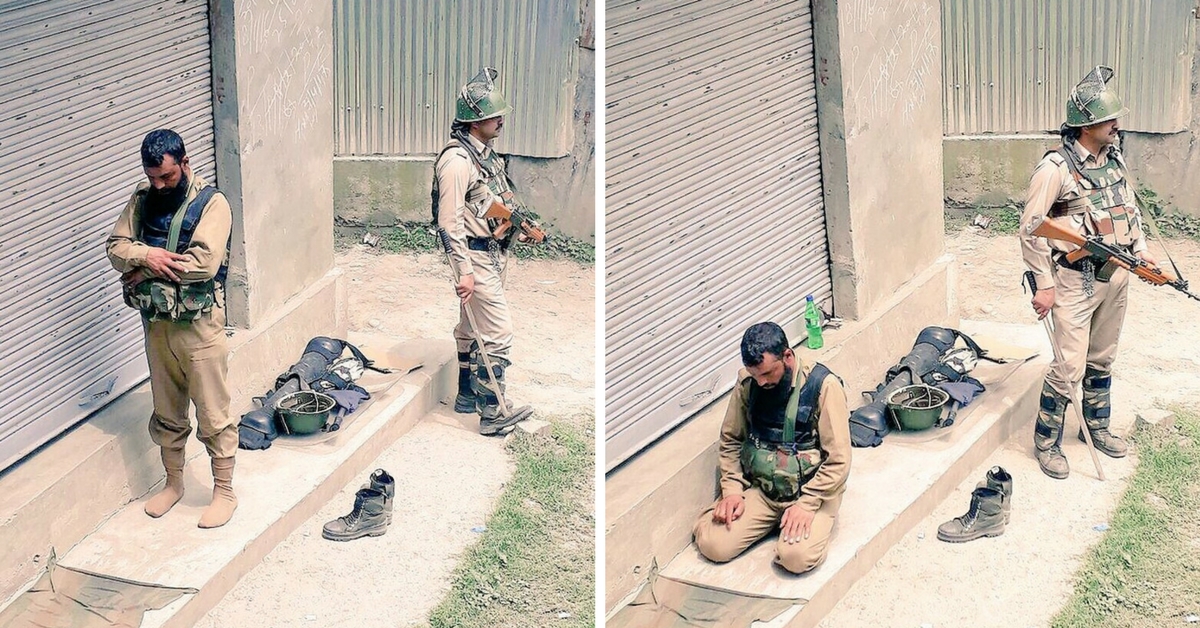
(889, 71)
(284, 40)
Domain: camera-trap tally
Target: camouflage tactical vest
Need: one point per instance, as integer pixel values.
(1102, 198)
(780, 453)
(161, 299)
(492, 172)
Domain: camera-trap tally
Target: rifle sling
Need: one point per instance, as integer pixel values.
(1158, 235)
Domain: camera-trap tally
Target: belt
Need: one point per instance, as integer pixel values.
(778, 444)
(484, 244)
(1077, 266)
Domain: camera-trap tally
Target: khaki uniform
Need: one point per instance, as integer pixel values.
(463, 192)
(1086, 328)
(188, 361)
(822, 494)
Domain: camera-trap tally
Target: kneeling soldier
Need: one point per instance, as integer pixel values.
(784, 456)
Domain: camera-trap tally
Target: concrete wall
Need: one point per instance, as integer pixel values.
(880, 119)
(387, 190)
(994, 170)
(272, 69)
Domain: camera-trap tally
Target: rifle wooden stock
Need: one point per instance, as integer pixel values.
(505, 215)
(1054, 231)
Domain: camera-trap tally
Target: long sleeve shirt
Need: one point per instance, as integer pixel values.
(1050, 182)
(462, 192)
(205, 252)
(833, 438)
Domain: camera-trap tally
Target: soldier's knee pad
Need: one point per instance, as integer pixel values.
(1047, 429)
(1097, 397)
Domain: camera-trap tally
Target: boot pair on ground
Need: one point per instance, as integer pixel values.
(475, 394)
(991, 506)
(224, 502)
(372, 513)
(1048, 429)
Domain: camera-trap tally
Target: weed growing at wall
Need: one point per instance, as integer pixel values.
(420, 237)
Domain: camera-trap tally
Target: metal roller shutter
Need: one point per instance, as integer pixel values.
(715, 216)
(81, 82)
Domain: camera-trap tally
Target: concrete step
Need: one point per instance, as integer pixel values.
(891, 488)
(278, 489)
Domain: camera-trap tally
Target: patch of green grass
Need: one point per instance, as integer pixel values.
(420, 237)
(1171, 223)
(1143, 573)
(1004, 220)
(535, 564)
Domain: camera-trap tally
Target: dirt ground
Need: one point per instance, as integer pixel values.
(394, 580)
(1021, 579)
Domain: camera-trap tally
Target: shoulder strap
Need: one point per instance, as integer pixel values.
(368, 364)
(793, 406)
(974, 346)
(138, 209)
(191, 215)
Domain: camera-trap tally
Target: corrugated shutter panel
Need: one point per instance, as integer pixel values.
(81, 82)
(399, 66)
(715, 216)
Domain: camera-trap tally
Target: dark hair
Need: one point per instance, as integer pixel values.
(761, 339)
(1070, 132)
(162, 142)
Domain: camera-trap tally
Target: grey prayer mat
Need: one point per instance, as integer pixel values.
(667, 603)
(73, 598)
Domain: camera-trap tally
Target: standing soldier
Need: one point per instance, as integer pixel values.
(170, 245)
(1082, 185)
(469, 177)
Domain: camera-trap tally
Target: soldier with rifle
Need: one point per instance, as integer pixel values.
(1081, 235)
(477, 218)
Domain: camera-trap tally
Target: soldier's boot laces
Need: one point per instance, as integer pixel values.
(1107, 443)
(1097, 410)
(999, 479)
(984, 518)
(491, 420)
(383, 482)
(465, 401)
(1047, 433)
(369, 518)
(1053, 462)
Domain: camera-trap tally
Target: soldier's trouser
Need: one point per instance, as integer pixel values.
(1085, 328)
(761, 517)
(490, 307)
(189, 362)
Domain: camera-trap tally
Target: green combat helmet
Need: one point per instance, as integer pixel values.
(1091, 102)
(480, 99)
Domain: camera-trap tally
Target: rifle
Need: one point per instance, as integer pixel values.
(514, 215)
(1095, 247)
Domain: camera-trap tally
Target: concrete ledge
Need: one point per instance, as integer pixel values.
(893, 488)
(278, 489)
(652, 500)
(61, 492)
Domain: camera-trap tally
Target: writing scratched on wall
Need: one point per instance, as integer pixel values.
(295, 64)
(893, 74)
